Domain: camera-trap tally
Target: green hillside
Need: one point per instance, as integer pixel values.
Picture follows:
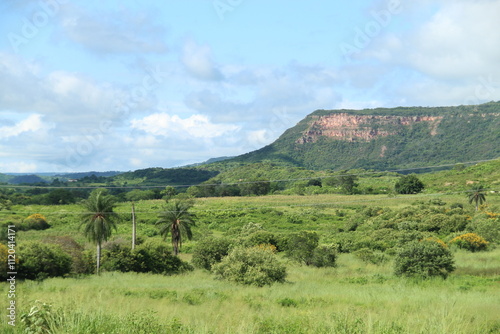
(382, 139)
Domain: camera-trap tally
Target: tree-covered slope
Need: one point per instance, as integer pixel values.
(402, 137)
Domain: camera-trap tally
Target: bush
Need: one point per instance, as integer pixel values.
(210, 251)
(425, 259)
(152, 256)
(264, 237)
(470, 241)
(73, 249)
(251, 266)
(487, 227)
(300, 246)
(409, 184)
(33, 222)
(38, 261)
(324, 256)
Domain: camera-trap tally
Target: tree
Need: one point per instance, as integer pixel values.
(169, 192)
(176, 220)
(98, 219)
(348, 183)
(426, 258)
(477, 195)
(409, 184)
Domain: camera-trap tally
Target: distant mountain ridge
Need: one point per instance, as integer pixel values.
(386, 138)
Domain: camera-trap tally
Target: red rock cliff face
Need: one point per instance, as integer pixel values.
(343, 126)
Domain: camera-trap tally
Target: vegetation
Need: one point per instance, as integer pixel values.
(465, 133)
(251, 266)
(470, 241)
(98, 220)
(176, 220)
(476, 196)
(425, 258)
(409, 184)
(306, 258)
(39, 260)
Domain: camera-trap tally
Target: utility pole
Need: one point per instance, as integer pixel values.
(134, 234)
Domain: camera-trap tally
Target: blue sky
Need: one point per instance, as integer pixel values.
(124, 85)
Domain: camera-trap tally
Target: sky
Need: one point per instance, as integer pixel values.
(125, 85)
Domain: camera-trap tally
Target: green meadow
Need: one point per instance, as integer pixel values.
(356, 296)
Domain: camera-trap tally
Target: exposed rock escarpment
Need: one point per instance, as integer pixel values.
(349, 127)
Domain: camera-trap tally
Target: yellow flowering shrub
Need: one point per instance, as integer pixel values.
(438, 241)
(34, 222)
(267, 247)
(470, 241)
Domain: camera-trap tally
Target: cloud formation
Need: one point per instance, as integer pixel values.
(195, 126)
(197, 60)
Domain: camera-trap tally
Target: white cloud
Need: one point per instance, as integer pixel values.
(198, 61)
(196, 126)
(33, 123)
(18, 167)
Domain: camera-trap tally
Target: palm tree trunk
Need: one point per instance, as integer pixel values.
(98, 257)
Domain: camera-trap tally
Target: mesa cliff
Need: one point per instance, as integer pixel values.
(348, 127)
(387, 138)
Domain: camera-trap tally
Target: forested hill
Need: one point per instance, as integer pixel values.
(387, 138)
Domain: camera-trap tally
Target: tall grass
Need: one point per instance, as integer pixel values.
(352, 298)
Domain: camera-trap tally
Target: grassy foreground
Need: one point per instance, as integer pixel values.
(353, 298)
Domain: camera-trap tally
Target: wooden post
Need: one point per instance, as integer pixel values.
(134, 235)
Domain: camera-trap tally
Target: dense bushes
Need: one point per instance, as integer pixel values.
(300, 246)
(324, 256)
(251, 266)
(38, 261)
(470, 241)
(210, 251)
(426, 258)
(152, 256)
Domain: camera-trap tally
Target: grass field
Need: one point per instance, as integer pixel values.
(354, 297)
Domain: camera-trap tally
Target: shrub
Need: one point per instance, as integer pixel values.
(264, 237)
(324, 256)
(424, 259)
(251, 266)
(369, 256)
(488, 227)
(409, 184)
(300, 246)
(38, 261)
(470, 241)
(33, 222)
(73, 249)
(152, 256)
(210, 251)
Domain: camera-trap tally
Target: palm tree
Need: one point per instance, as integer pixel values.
(176, 220)
(98, 219)
(477, 196)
